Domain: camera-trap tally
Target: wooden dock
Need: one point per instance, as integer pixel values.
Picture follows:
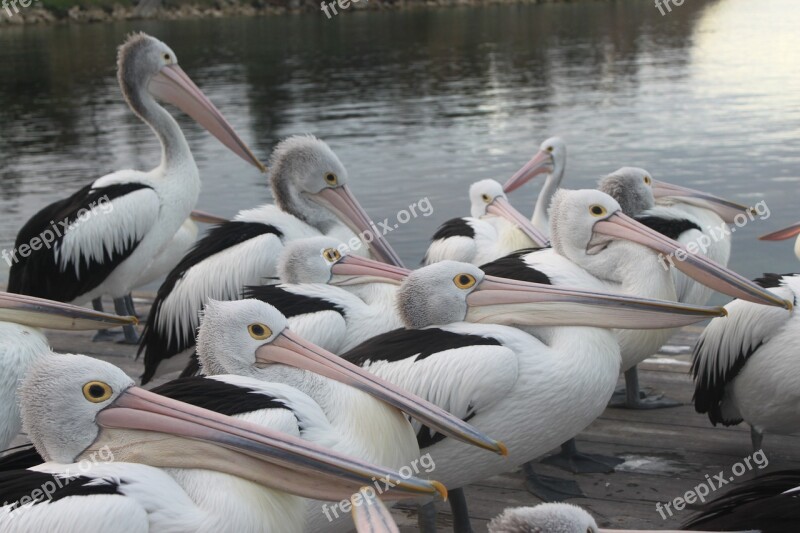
(667, 452)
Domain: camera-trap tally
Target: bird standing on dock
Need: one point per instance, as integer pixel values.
(746, 367)
(312, 194)
(22, 344)
(102, 416)
(495, 229)
(99, 240)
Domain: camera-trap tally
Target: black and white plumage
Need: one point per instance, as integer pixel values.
(745, 366)
(243, 485)
(104, 236)
(310, 186)
(493, 230)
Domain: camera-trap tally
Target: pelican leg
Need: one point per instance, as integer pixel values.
(571, 460)
(635, 399)
(104, 335)
(458, 506)
(426, 518)
(550, 489)
(756, 436)
(121, 308)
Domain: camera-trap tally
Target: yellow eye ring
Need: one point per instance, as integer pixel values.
(97, 391)
(598, 210)
(331, 178)
(647, 180)
(486, 198)
(331, 255)
(464, 281)
(259, 332)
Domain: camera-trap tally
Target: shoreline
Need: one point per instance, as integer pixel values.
(37, 14)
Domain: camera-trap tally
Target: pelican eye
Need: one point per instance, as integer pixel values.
(331, 179)
(167, 57)
(259, 331)
(486, 198)
(647, 180)
(464, 281)
(331, 255)
(549, 148)
(598, 210)
(97, 391)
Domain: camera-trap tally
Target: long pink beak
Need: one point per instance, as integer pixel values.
(370, 514)
(40, 313)
(511, 302)
(697, 267)
(502, 207)
(354, 270)
(172, 85)
(783, 234)
(292, 350)
(726, 209)
(207, 218)
(541, 163)
(207, 440)
(343, 203)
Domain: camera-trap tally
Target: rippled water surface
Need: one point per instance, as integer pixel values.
(421, 104)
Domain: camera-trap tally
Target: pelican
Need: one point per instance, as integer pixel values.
(597, 247)
(81, 412)
(251, 338)
(493, 230)
(555, 518)
(313, 198)
(786, 233)
(552, 155)
(745, 368)
(461, 354)
(99, 240)
(764, 504)
(683, 220)
(23, 344)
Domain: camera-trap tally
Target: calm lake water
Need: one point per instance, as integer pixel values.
(423, 103)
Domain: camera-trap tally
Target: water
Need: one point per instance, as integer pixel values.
(423, 103)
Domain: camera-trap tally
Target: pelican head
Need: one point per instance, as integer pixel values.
(309, 182)
(487, 198)
(251, 338)
(556, 517)
(449, 291)
(589, 228)
(75, 406)
(631, 187)
(147, 68)
(320, 260)
(551, 157)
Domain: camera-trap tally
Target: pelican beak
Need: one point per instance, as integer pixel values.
(505, 301)
(354, 270)
(502, 208)
(541, 163)
(343, 203)
(726, 209)
(207, 218)
(41, 313)
(173, 86)
(370, 515)
(144, 427)
(697, 267)
(289, 349)
(782, 235)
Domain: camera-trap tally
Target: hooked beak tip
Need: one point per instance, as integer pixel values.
(441, 489)
(261, 167)
(723, 312)
(502, 449)
(789, 305)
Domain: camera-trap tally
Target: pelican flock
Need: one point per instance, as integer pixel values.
(318, 372)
